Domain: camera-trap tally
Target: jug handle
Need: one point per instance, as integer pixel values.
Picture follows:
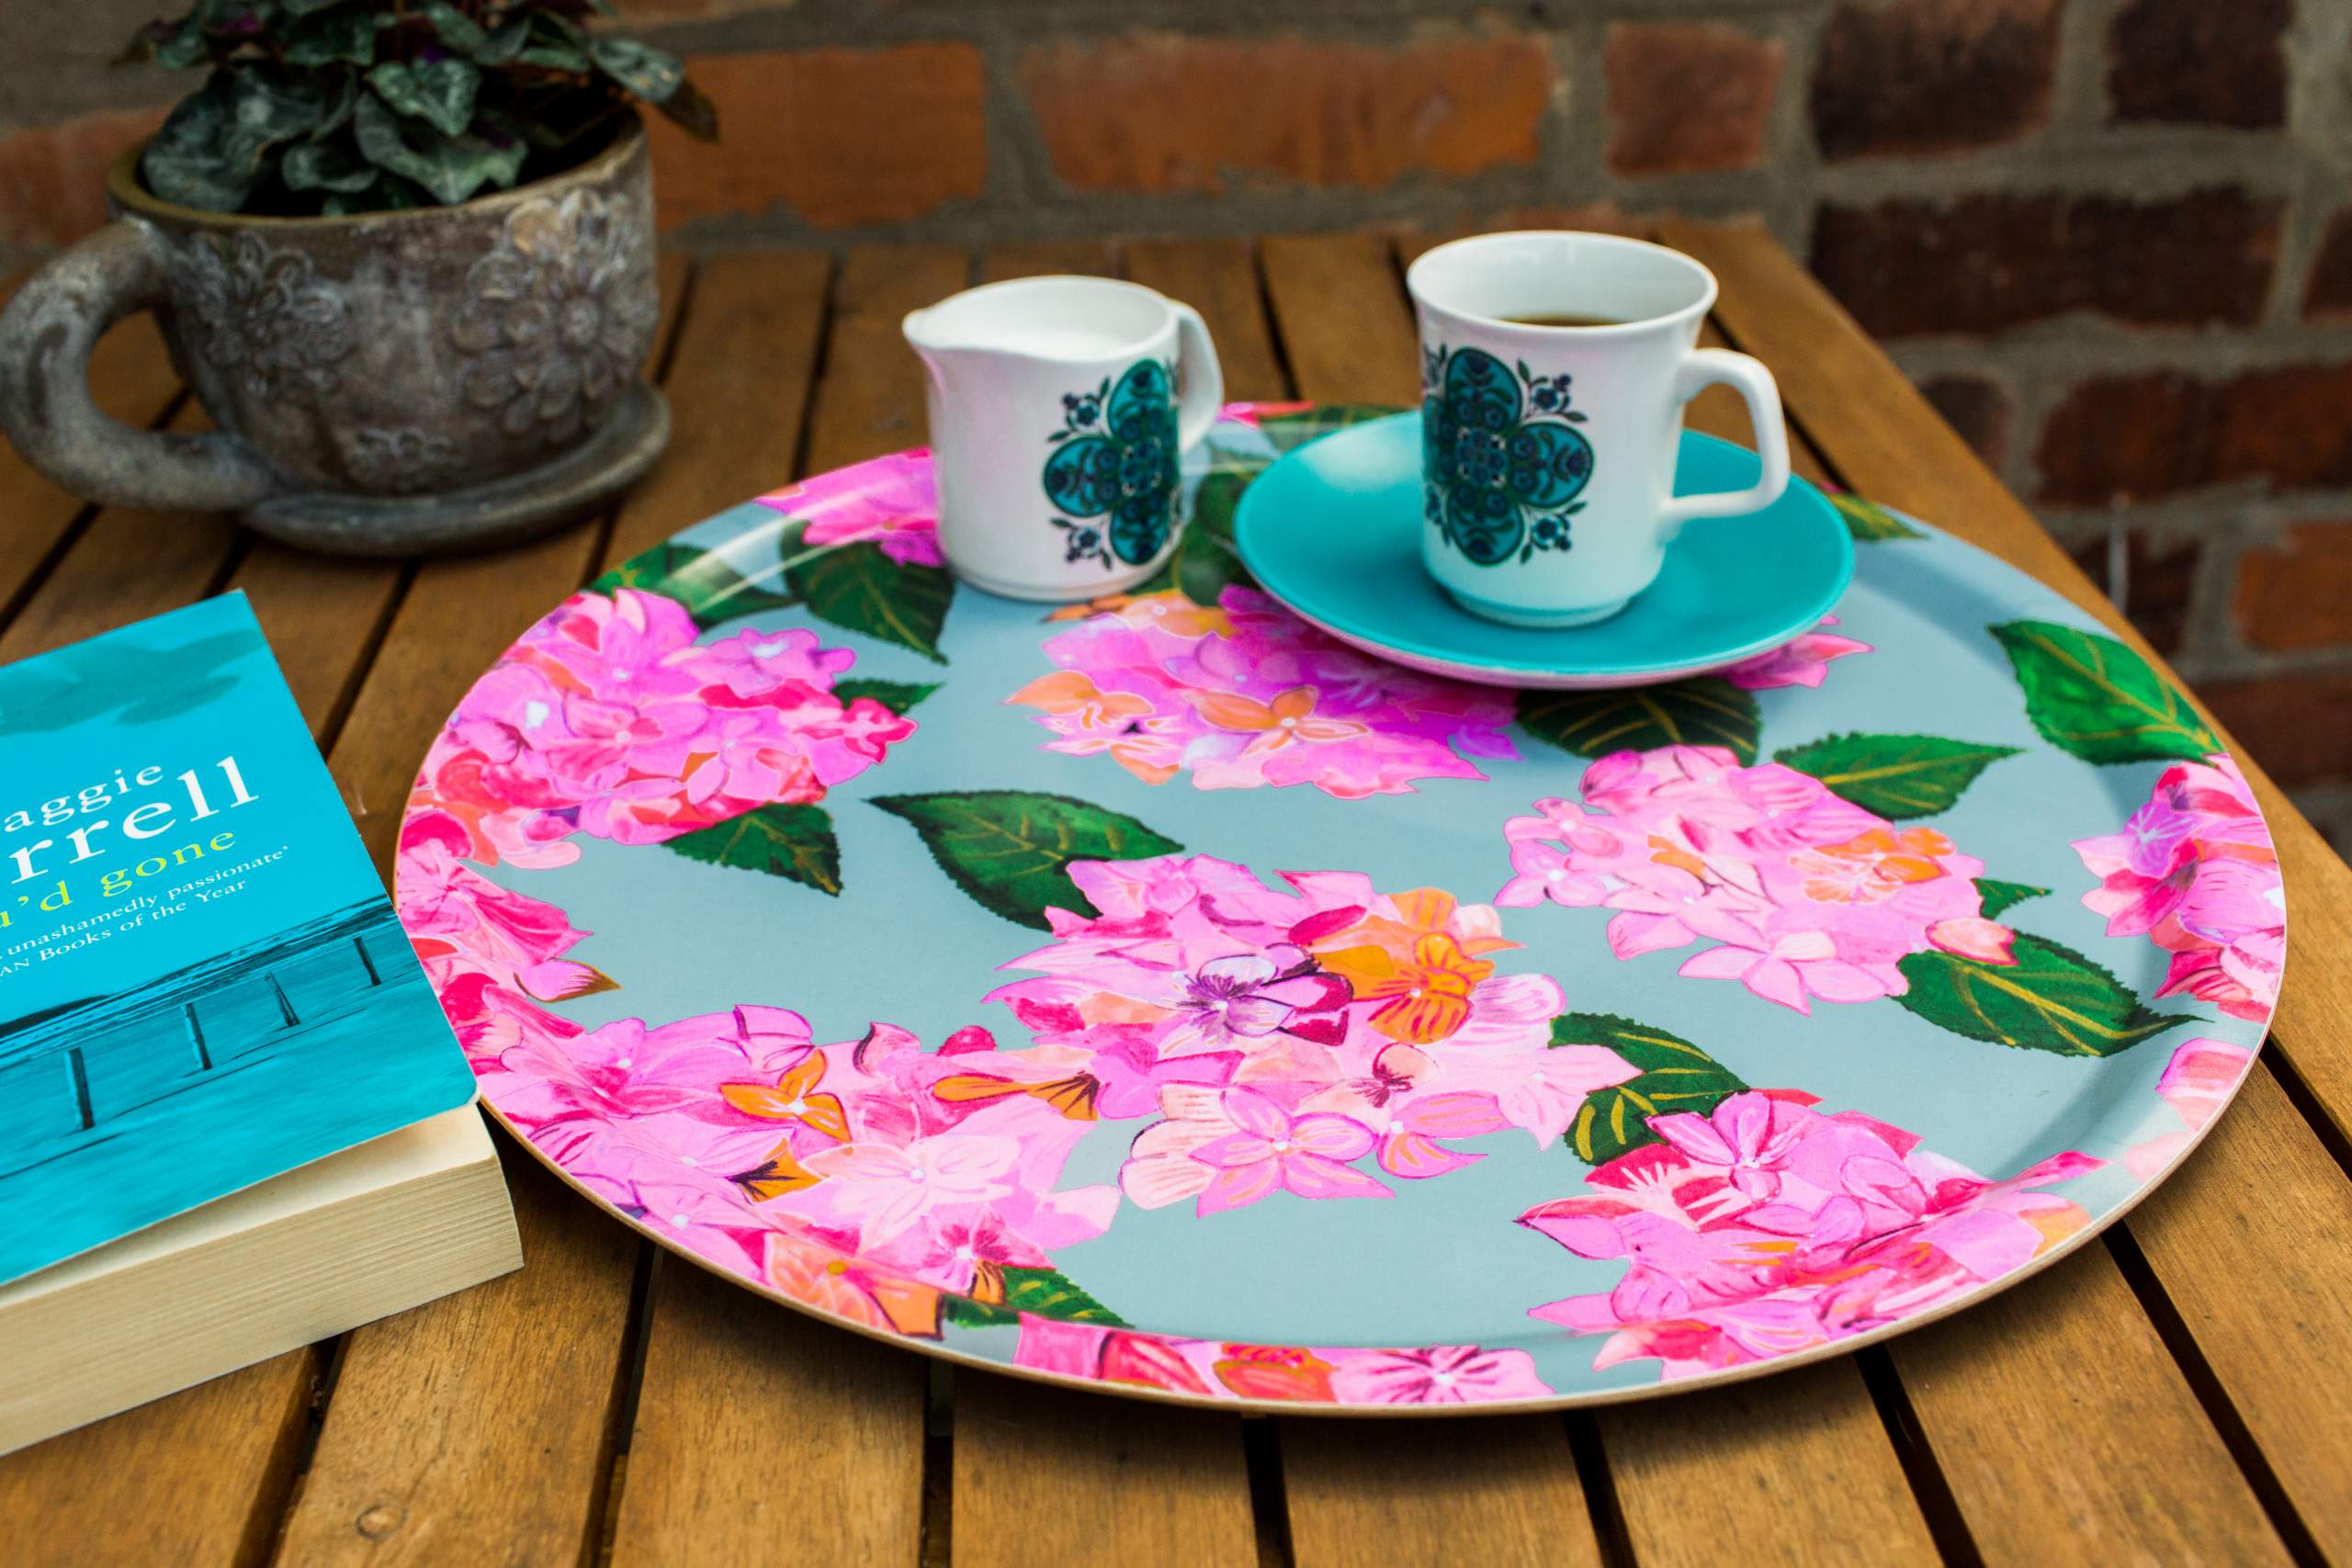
(46, 336)
(1204, 377)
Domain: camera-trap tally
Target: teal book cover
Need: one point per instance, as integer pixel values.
(202, 983)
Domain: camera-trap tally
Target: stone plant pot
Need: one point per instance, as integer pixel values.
(387, 384)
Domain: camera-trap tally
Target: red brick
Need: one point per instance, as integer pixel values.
(2197, 63)
(2298, 725)
(2122, 438)
(842, 137)
(1685, 96)
(52, 177)
(2114, 439)
(1933, 75)
(1160, 112)
(2298, 593)
(2328, 293)
(2157, 584)
(1986, 263)
(1979, 408)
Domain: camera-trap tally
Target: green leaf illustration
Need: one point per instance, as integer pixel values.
(713, 592)
(2052, 998)
(1215, 502)
(793, 841)
(858, 588)
(1010, 850)
(1205, 563)
(2000, 896)
(1676, 1076)
(2098, 699)
(897, 696)
(1869, 522)
(1895, 775)
(1709, 711)
(1040, 1292)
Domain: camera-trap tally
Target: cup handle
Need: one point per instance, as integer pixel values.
(1706, 367)
(1204, 377)
(46, 336)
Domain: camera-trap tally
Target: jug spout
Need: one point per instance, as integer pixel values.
(940, 354)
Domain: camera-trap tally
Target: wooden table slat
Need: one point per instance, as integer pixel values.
(1501, 1492)
(1345, 327)
(1045, 258)
(1794, 1469)
(2072, 1347)
(323, 618)
(872, 400)
(131, 379)
(737, 1393)
(517, 1380)
(1219, 280)
(757, 1427)
(2067, 1435)
(1057, 1479)
(197, 1478)
(2250, 1239)
(738, 392)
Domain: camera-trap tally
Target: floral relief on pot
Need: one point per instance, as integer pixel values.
(261, 317)
(558, 317)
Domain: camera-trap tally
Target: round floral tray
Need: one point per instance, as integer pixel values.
(1157, 996)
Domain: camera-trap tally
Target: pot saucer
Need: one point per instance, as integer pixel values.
(503, 511)
(1333, 531)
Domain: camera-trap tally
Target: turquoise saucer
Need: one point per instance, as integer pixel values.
(1333, 530)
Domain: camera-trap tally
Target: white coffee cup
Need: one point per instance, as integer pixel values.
(1549, 450)
(1057, 429)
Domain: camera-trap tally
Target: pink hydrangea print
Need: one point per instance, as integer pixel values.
(890, 501)
(2194, 872)
(1247, 695)
(724, 1128)
(1282, 1037)
(1802, 662)
(1801, 896)
(1767, 1228)
(2197, 1083)
(608, 718)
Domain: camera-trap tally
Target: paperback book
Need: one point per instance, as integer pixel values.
(211, 1029)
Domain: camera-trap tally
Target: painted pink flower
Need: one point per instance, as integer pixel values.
(1768, 1227)
(1247, 695)
(608, 718)
(890, 501)
(1326, 996)
(2197, 1083)
(1802, 662)
(1442, 1374)
(1272, 1150)
(1802, 895)
(2194, 871)
(888, 1188)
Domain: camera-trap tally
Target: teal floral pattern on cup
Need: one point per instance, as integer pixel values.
(1113, 472)
(1503, 457)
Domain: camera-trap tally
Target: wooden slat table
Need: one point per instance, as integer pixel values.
(2180, 1392)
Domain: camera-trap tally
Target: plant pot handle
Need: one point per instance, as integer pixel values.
(46, 336)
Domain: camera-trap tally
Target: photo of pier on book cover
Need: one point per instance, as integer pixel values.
(202, 983)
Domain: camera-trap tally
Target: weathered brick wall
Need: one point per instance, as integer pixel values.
(2112, 238)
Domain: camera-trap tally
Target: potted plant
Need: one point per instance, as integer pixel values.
(403, 254)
